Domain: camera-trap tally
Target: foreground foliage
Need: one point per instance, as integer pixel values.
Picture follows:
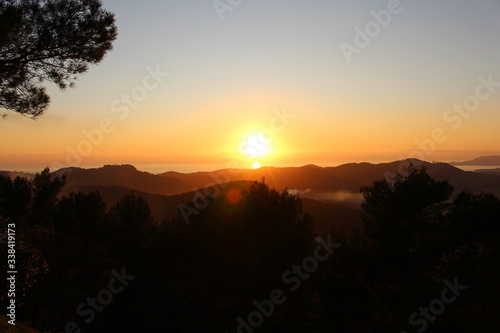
(205, 275)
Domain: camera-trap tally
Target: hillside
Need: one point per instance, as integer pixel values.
(494, 172)
(331, 184)
(14, 174)
(481, 160)
(344, 178)
(124, 176)
(163, 208)
(330, 194)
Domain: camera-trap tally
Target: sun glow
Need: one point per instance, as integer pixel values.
(255, 145)
(257, 149)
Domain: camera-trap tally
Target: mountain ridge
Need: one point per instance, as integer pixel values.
(493, 160)
(330, 194)
(309, 180)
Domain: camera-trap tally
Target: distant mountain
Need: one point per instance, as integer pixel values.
(329, 184)
(312, 180)
(124, 176)
(482, 160)
(495, 172)
(14, 174)
(330, 194)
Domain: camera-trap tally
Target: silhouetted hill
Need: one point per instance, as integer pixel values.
(481, 160)
(329, 184)
(332, 215)
(362, 174)
(349, 178)
(14, 174)
(124, 176)
(494, 172)
(302, 178)
(331, 194)
(164, 208)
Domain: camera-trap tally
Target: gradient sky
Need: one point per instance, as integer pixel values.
(227, 79)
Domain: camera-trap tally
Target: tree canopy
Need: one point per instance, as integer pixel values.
(208, 274)
(48, 40)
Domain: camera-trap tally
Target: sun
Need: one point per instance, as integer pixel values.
(255, 148)
(255, 145)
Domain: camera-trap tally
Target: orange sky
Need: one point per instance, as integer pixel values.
(228, 80)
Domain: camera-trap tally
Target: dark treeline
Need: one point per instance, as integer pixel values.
(205, 276)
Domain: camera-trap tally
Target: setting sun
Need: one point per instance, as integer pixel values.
(255, 145)
(256, 165)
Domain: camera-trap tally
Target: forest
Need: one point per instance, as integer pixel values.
(250, 261)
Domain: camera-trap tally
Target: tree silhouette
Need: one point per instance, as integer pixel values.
(52, 40)
(15, 197)
(130, 226)
(392, 213)
(415, 237)
(202, 276)
(46, 187)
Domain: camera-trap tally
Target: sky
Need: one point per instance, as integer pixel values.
(202, 85)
